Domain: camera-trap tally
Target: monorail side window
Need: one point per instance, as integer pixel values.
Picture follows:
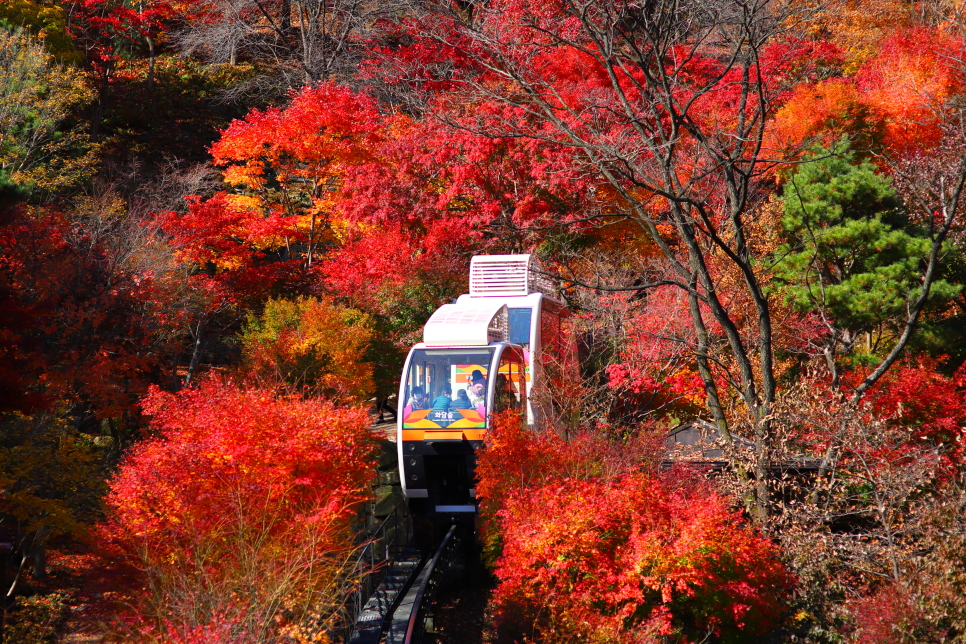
(551, 344)
(510, 386)
(520, 326)
(447, 388)
(558, 355)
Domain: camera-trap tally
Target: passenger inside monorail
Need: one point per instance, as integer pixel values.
(456, 377)
(461, 401)
(442, 401)
(417, 399)
(477, 389)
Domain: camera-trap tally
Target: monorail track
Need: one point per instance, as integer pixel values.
(402, 607)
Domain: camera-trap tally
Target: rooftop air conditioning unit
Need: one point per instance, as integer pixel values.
(508, 276)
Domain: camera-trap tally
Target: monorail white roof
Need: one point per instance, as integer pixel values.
(474, 323)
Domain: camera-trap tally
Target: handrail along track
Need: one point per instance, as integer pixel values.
(397, 611)
(435, 571)
(383, 546)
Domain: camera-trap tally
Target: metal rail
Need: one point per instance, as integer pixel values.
(384, 545)
(427, 590)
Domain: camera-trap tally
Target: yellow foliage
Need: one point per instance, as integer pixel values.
(37, 94)
(45, 21)
(51, 476)
(243, 202)
(858, 26)
(312, 343)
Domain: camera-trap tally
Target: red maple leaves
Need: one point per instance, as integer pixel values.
(588, 541)
(237, 515)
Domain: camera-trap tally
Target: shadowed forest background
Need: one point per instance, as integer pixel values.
(223, 223)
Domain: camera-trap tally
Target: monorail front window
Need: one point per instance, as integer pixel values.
(447, 388)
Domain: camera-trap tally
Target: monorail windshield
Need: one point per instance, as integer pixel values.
(446, 388)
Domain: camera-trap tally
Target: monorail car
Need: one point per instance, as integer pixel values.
(488, 351)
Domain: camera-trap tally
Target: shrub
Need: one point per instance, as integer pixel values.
(591, 543)
(238, 514)
(632, 558)
(37, 619)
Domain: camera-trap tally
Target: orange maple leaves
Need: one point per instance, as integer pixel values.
(284, 156)
(898, 98)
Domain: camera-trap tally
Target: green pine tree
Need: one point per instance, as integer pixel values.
(850, 250)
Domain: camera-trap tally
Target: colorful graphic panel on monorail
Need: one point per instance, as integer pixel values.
(452, 419)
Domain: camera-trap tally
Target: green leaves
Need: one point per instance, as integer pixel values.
(850, 251)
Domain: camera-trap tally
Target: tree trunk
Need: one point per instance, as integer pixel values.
(196, 352)
(40, 562)
(150, 81)
(102, 92)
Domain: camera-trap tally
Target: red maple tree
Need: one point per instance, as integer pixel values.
(587, 539)
(238, 512)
